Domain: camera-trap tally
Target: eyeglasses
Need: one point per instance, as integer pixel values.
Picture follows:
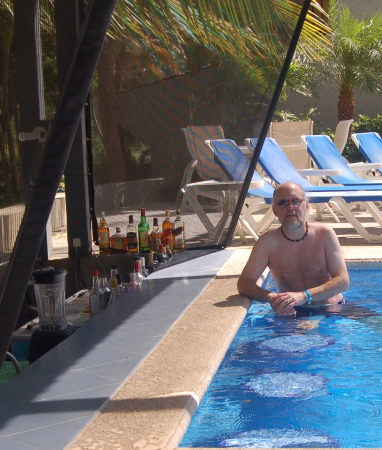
(293, 202)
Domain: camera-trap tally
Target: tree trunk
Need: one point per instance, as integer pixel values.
(345, 104)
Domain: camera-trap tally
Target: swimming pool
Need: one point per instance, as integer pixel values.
(314, 380)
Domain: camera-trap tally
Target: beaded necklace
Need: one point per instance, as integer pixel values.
(295, 240)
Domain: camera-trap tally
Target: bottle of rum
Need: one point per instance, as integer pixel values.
(143, 233)
(155, 237)
(179, 233)
(167, 227)
(131, 234)
(118, 242)
(103, 235)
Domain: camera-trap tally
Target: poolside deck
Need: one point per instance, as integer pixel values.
(145, 402)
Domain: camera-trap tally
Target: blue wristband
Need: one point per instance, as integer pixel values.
(308, 297)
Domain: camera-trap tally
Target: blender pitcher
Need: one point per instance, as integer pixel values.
(49, 288)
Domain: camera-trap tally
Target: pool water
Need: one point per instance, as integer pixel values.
(314, 380)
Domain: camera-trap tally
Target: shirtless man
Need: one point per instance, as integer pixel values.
(306, 260)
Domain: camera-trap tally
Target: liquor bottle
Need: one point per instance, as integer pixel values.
(114, 290)
(131, 234)
(167, 227)
(155, 237)
(118, 242)
(144, 271)
(96, 296)
(106, 291)
(161, 256)
(113, 274)
(150, 263)
(121, 286)
(179, 233)
(137, 269)
(167, 248)
(103, 235)
(143, 233)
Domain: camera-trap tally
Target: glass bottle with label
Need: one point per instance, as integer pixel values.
(179, 233)
(167, 227)
(96, 296)
(143, 233)
(118, 242)
(103, 235)
(155, 237)
(131, 234)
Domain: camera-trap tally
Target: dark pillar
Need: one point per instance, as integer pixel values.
(33, 123)
(68, 14)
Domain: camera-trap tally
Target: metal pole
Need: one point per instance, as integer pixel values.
(267, 121)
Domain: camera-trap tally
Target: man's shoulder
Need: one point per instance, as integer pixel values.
(320, 227)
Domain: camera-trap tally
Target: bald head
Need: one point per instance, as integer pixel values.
(285, 189)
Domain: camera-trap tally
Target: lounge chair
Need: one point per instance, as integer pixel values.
(202, 158)
(341, 134)
(278, 167)
(370, 145)
(228, 155)
(326, 156)
(288, 136)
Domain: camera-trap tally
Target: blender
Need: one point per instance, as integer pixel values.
(49, 289)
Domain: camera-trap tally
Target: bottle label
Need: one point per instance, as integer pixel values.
(103, 239)
(144, 239)
(118, 244)
(132, 241)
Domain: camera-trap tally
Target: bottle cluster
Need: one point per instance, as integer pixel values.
(156, 240)
(105, 291)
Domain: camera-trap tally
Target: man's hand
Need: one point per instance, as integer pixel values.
(284, 302)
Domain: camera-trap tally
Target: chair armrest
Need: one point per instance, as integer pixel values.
(365, 166)
(319, 172)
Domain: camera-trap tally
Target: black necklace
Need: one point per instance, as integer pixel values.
(295, 240)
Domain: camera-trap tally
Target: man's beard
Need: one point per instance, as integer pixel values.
(292, 222)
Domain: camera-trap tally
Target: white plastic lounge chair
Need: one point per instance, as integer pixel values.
(202, 158)
(234, 163)
(278, 167)
(288, 136)
(341, 134)
(326, 156)
(370, 145)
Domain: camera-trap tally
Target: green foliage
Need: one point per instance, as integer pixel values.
(364, 124)
(287, 116)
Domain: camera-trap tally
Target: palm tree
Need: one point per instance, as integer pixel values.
(353, 60)
(243, 43)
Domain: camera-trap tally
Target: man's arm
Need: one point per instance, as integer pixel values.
(337, 269)
(256, 264)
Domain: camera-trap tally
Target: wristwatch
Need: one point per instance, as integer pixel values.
(308, 297)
